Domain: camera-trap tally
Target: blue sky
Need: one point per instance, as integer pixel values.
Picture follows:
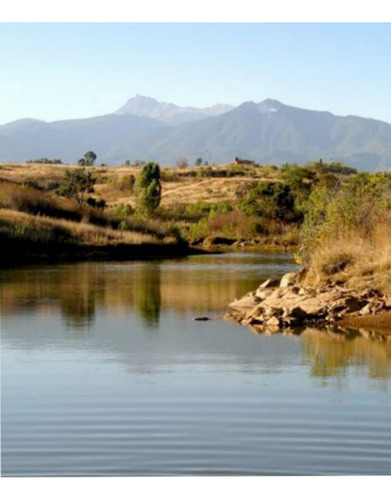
(61, 71)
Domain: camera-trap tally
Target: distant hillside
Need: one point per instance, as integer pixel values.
(268, 132)
(70, 139)
(271, 132)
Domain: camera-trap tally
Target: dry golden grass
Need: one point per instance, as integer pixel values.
(182, 184)
(192, 190)
(356, 259)
(47, 228)
(181, 188)
(29, 199)
(40, 173)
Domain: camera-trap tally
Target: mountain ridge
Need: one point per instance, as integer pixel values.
(168, 112)
(268, 132)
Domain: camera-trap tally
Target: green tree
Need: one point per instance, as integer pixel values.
(273, 200)
(88, 159)
(198, 162)
(76, 183)
(301, 181)
(148, 188)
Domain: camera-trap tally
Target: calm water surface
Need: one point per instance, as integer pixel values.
(104, 372)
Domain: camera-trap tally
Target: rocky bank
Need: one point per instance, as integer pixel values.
(289, 303)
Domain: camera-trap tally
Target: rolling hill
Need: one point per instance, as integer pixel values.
(267, 132)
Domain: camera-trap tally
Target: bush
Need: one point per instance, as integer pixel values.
(199, 230)
(205, 172)
(126, 184)
(300, 180)
(47, 161)
(349, 211)
(76, 183)
(233, 224)
(94, 203)
(202, 208)
(244, 189)
(123, 210)
(330, 168)
(273, 200)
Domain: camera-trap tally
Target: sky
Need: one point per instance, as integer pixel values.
(54, 71)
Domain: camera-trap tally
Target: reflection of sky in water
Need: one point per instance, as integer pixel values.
(104, 371)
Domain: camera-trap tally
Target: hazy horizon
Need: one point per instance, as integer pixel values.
(190, 105)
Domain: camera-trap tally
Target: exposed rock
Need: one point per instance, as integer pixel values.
(263, 293)
(291, 305)
(249, 301)
(270, 283)
(273, 321)
(288, 280)
(367, 309)
(256, 311)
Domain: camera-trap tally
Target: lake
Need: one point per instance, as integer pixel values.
(105, 373)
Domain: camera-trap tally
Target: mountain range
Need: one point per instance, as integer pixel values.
(268, 132)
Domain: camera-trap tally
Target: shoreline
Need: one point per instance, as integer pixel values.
(142, 251)
(288, 303)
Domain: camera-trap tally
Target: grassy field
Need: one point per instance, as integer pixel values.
(180, 185)
(196, 203)
(38, 224)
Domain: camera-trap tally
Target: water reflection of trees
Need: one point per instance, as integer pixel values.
(78, 294)
(148, 299)
(331, 353)
(78, 309)
(80, 290)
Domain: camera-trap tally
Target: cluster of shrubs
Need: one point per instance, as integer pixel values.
(321, 198)
(354, 209)
(268, 208)
(54, 161)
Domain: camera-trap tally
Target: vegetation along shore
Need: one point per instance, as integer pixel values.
(345, 252)
(335, 220)
(48, 209)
